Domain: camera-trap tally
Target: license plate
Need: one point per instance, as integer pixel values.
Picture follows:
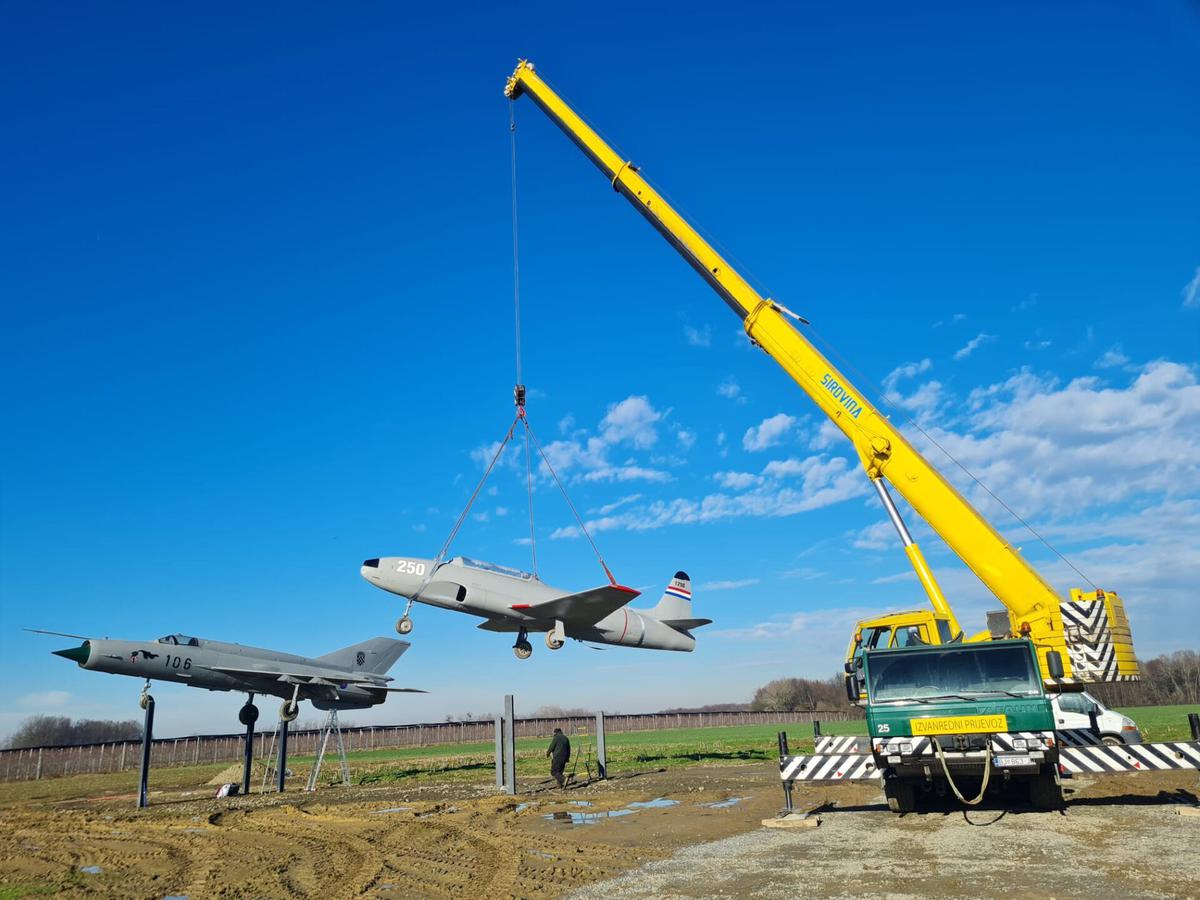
(1004, 762)
(959, 724)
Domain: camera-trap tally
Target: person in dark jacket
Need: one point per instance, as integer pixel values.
(559, 752)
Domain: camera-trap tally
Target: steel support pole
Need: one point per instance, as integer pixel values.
(787, 785)
(510, 746)
(601, 752)
(282, 758)
(147, 740)
(1194, 722)
(248, 758)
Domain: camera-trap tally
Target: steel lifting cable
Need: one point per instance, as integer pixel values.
(566, 496)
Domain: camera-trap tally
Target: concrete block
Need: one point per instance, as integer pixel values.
(1189, 811)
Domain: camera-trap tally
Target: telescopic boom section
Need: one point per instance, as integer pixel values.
(1034, 607)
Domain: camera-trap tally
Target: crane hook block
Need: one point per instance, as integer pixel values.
(519, 396)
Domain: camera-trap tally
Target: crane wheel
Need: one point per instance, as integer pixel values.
(1045, 791)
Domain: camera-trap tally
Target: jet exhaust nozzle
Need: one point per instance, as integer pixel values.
(78, 654)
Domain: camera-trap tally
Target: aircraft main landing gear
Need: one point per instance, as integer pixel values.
(522, 648)
(552, 642)
(290, 708)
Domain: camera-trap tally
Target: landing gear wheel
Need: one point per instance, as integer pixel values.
(289, 711)
(1045, 791)
(901, 796)
(523, 650)
(404, 625)
(145, 700)
(552, 642)
(248, 714)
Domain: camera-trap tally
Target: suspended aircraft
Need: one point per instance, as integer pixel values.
(509, 600)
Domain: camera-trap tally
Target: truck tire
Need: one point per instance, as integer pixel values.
(1045, 791)
(901, 796)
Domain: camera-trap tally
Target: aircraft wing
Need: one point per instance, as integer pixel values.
(584, 608)
(330, 680)
(685, 624)
(499, 625)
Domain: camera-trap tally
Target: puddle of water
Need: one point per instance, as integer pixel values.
(724, 804)
(591, 818)
(656, 803)
(587, 818)
(391, 809)
(90, 870)
(521, 807)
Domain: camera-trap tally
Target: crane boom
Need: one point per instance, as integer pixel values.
(1100, 649)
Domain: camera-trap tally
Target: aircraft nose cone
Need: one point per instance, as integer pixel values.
(78, 654)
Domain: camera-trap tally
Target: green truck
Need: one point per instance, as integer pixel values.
(963, 718)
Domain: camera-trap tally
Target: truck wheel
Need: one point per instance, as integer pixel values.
(901, 796)
(1111, 740)
(1045, 791)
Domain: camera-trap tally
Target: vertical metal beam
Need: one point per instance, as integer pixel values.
(247, 754)
(510, 746)
(787, 785)
(1193, 721)
(601, 752)
(147, 740)
(281, 761)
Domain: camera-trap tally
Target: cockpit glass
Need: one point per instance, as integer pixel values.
(179, 640)
(493, 567)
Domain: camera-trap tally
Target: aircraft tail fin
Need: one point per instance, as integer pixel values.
(375, 656)
(676, 601)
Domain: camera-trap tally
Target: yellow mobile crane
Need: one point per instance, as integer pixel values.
(1091, 626)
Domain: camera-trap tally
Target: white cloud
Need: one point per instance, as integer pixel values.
(617, 504)
(419, 526)
(768, 433)
(973, 344)
(710, 586)
(827, 436)
(736, 481)
(631, 420)
(823, 482)
(685, 438)
(566, 423)
(42, 700)
(1037, 345)
(501, 511)
(1191, 292)
(908, 370)
(1112, 358)
(731, 390)
(698, 337)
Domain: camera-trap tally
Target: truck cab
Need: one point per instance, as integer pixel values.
(965, 718)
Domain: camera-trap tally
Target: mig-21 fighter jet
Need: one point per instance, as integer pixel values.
(351, 678)
(509, 600)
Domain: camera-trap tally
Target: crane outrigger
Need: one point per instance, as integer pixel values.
(1088, 629)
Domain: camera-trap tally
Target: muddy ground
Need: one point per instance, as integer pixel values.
(686, 832)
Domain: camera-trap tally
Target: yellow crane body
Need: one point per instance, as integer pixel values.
(1089, 629)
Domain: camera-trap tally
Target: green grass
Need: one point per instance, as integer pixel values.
(1162, 723)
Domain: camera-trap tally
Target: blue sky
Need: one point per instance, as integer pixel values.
(257, 323)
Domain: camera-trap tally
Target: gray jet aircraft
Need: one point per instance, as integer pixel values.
(351, 678)
(513, 601)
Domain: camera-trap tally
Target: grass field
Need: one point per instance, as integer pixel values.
(627, 751)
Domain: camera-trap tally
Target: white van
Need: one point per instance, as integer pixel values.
(1073, 712)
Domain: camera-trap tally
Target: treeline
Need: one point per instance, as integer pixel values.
(52, 731)
(1166, 680)
(802, 694)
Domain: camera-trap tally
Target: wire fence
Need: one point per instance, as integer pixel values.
(33, 763)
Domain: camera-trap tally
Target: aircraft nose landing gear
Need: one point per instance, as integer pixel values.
(404, 624)
(522, 648)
